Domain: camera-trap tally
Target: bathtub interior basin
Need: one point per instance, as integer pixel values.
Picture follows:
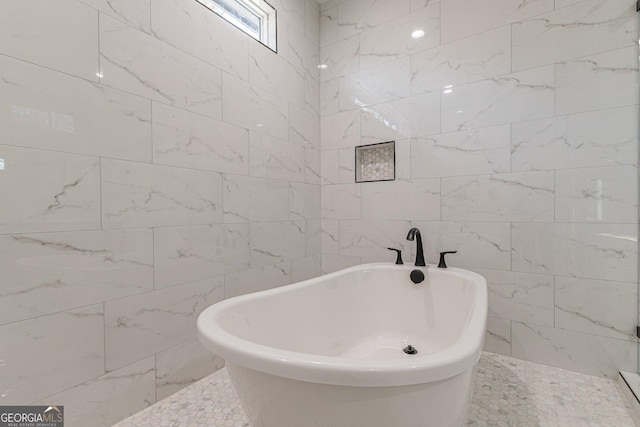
(330, 351)
(350, 327)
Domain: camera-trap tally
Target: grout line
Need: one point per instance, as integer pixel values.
(104, 334)
(100, 193)
(554, 301)
(99, 51)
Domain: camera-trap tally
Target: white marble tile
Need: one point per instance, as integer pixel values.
(406, 118)
(565, 3)
(273, 74)
(105, 400)
(596, 251)
(571, 350)
(312, 21)
(189, 253)
(283, 29)
(135, 62)
(479, 244)
(313, 237)
(57, 192)
(330, 97)
(403, 159)
(515, 97)
(252, 108)
(372, 238)
(185, 139)
(597, 82)
(471, 59)
(182, 365)
(393, 40)
(381, 83)
(312, 165)
(61, 35)
(304, 44)
(601, 138)
(141, 325)
(293, 11)
(329, 26)
(50, 353)
(201, 33)
(623, 353)
(524, 297)
(54, 111)
(401, 200)
(341, 130)
(142, 195)
(135, 13)
(330, 167)
(597, 307)
(342, 201)
(311, 94)
(276, 158)
(328, 4)
(359, 15)
(304, 201)
(462, 18)
(257, 279)
(522, 196)
(419, 4)
(274, 242)
(332, 263)
(606, 194)
(330, 236)
(306, 268)
(45, 273)
(304, 127)
(468, 152)
(585, 28)
(347, 165)
(498, 336)
(254, 199)
(341, 58)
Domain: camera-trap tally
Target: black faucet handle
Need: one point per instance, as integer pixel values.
(442, 263)
(399, 257)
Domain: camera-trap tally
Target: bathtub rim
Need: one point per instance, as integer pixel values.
(459, 357)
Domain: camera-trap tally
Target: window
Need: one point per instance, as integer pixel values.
(255, 17)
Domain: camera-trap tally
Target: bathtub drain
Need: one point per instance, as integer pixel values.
(410, 349)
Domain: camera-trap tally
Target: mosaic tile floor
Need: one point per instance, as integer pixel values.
(508, 392)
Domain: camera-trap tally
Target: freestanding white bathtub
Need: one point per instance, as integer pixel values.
(328, 352)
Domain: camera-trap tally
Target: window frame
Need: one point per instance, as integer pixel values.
(233, 12)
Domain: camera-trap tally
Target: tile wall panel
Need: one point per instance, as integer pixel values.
(61, 36)
(46, 354)
(45, 273)
(63, 191)
(54, 111)
(517, 146)
(135, 62)
(152, 156)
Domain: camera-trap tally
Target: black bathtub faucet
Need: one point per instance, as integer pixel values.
(414, 233)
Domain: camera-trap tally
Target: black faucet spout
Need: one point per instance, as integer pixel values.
(414, 234)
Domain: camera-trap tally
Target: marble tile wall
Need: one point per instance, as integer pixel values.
(151, 164)
(154, 163)
(516, 127)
